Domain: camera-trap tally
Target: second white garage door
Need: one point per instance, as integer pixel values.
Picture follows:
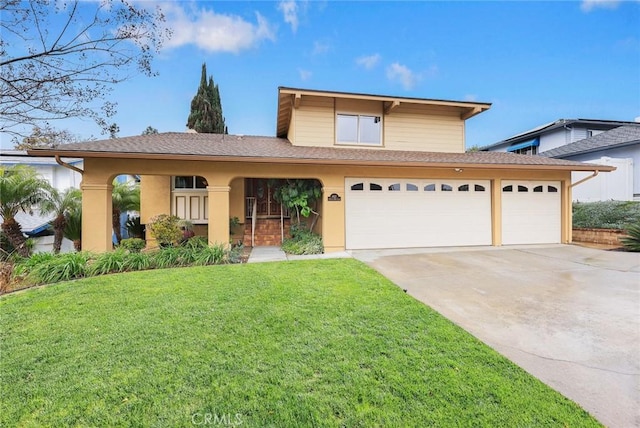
(531, 212)
(401, 213)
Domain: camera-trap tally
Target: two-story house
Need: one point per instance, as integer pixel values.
(604, 142)
(393, 172)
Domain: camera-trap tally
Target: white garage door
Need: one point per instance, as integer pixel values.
(401, 213)
(531, 212)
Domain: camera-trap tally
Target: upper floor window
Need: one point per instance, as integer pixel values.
(189, 182)
(526, 151)
(358, 129)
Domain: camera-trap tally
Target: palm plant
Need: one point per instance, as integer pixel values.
(73, 228)
(632, 241)
(125, 197)
(60, 204)
(20, 189)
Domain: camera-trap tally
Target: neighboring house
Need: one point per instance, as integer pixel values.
(608, 142)
(619, 147)
(35, 225)
(393, 171)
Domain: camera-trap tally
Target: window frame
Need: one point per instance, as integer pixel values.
(194, 180)
(377, 119)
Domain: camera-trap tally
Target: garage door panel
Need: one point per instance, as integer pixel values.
(419, 218)
(531, 217)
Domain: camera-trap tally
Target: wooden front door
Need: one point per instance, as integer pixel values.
(259, 188)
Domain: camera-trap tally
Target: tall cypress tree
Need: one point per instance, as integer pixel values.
(206, 108)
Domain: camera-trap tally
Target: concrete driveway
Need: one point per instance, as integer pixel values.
(566, 314)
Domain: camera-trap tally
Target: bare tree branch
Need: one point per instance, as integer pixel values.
(61, 59)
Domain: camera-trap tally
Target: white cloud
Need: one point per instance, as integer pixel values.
(471, 97)
(214, 32)
(400, 73)
(589, 5)
(320, 48)
(304, 74)
(369, 61)
(289, 9)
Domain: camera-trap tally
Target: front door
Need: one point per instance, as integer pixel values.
(260, 189)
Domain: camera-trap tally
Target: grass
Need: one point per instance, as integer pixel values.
(310, 343)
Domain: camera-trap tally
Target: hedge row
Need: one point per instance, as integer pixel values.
(606, 215)
(47, 268)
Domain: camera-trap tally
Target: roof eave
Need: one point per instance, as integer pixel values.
(592, 150)
(336, 94)
(333, 162)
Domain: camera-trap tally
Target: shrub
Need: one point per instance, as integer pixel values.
(62, 267)
(606, 214)
(195, 243)
(25, 265)
(234, 254)
(110, 262)
(211, 255)
(133, 245)
(632, 241)
(46, 268)
(168, 257)
(165, 229)
(303, 242)
(137, 261)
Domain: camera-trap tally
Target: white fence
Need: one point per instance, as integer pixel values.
(616, 185)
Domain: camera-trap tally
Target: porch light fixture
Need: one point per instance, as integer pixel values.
(457, 169)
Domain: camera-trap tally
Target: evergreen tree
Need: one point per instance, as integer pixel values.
(206, 108)
(149, 131)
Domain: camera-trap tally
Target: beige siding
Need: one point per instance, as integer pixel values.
(314, 122)
(367, 107)
(406, 127)
(291, 133)
(422, 128)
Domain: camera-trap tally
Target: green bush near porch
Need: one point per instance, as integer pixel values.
(320, 343)
(303, 242)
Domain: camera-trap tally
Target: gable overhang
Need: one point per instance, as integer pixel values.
(291, 98)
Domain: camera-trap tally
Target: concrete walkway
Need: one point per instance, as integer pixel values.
(275, 254)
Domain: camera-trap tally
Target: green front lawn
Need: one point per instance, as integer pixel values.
(310, 343)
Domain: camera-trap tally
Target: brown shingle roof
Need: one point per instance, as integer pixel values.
(219, 147)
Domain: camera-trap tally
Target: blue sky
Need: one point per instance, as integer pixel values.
(535, 61)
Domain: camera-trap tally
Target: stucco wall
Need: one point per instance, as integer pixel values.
(221, 177)
(236, 199)
(155, 196)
